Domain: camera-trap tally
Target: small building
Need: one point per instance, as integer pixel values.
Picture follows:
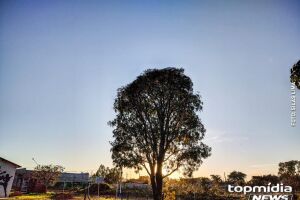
(24, 181)
(21, 180)
(7, 174)
(66, 177)
(97, 179)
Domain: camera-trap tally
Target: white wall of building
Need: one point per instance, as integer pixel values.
(10, 169)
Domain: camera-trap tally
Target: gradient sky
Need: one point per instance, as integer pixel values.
(61, 63)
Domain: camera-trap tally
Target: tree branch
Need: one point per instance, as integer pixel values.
(148, 172)
(174, 170)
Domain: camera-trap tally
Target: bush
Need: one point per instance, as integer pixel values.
(61, 196)
(15, 193)
(40, 188)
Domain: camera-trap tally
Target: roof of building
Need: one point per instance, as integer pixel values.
(7, 161)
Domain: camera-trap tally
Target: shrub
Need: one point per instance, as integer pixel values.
(15, 193)
(61, 196)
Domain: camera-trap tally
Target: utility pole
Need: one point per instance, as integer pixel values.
(37, 164)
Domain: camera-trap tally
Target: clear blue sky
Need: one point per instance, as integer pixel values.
(61, 63)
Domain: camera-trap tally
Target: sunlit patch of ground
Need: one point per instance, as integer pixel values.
(33, 196)
(49, 195)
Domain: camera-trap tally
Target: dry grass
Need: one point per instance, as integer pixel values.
(48, 197)
(33, 196)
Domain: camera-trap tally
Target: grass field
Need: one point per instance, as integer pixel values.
(49, 195)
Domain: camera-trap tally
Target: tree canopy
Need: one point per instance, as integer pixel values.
(47, 174)
(289, 173)
(110, 175)
(264, 180)
(295, 74)
(289, 168)
(216, 178)
(237, 177)
(157, 127)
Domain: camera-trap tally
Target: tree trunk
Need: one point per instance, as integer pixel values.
(159, 180)
(153, 185)
(157, 183)
(158, 188)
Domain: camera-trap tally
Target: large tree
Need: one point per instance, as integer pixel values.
(264, 180)
(289, 168)
(289, 173)
(47, 174)
(216, 179)
(237, 178)
(157, 127)
(110, 175)
(295, 74)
